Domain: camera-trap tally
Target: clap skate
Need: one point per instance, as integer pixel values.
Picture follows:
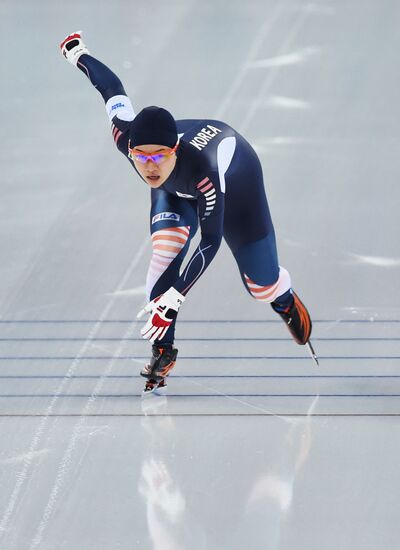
(298, 321)
(162, 362)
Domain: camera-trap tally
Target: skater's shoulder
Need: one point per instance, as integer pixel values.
(189, 129)
(200, 139)
(120, 133)
(120, 124)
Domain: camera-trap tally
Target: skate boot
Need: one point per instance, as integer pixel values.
(298, 321)
(162, 362)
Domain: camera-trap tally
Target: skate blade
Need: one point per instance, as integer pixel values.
(160, 390)
(312, 353)
(156, 391)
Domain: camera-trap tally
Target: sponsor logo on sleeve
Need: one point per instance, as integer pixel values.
(117, 105)
(166, 216)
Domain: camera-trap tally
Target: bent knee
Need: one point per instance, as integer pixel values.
(269, 293)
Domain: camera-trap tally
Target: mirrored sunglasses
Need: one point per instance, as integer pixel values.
(158, 158)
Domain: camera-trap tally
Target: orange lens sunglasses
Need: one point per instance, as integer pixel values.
(141, 157)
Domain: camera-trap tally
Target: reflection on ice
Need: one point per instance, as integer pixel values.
(165, 503)
(272, 487)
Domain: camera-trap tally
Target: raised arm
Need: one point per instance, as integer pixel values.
(103, 79)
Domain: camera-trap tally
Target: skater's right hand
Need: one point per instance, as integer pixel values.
(163, 310)
(72, 47)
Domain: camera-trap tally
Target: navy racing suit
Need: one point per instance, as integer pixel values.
(217, 185)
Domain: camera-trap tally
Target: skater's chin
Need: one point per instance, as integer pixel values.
(154, 181)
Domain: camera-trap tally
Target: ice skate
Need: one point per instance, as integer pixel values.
(298, 321)
(154, 387)
(162, 362)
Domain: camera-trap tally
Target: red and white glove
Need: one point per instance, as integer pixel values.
(163, 310)
(72, 47)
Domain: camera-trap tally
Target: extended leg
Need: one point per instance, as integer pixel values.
(249, 233)
(269, 283)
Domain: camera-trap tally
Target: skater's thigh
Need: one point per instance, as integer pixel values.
(247, 217)
(248, 228)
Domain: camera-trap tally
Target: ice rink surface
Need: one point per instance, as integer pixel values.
(254, 447)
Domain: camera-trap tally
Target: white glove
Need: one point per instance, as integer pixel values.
(72, 47)
(163, 310)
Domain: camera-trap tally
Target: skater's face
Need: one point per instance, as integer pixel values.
(153, 162)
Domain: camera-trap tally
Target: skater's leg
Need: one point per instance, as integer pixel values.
(252, 242)
(249, 233)
(263, 278)
(173, 223)
(268, 282)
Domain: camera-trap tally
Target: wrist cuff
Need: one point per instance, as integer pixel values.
(120, 106)
(175, 296)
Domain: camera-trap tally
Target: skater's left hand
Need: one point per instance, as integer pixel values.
(163, 310)
(72, 47)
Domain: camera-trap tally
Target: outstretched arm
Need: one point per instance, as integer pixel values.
(102, 78)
